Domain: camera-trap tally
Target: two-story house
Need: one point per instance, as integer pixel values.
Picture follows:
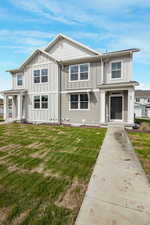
(70, 83)
(142, 103)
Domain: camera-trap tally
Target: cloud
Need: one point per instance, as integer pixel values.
(24, 41)
(51, 10)
(143, 86)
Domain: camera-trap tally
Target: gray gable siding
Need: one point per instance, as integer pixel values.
(94, 78)
(91, 116)
(126, 69)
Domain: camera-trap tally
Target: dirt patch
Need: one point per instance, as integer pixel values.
(35, 145)
(72, 197)
(20, 218)
(134, 138)
(61, 132)
(39, 154)
(9, 147)
(46, 173)
(4, 212)
(145, 126)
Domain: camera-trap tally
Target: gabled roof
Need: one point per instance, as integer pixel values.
(62, 36)
(30, 58)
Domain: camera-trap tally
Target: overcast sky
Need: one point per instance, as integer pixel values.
(103, 25)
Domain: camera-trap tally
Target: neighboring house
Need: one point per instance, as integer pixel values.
(70, 83)
(142, 103)
(1, 107)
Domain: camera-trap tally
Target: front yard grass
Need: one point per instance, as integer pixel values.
(141, 143)
(44, 172)
(1, 119)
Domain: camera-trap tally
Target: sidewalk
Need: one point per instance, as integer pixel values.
(118, 193)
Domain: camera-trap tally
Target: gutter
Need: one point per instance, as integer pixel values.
(103, 56)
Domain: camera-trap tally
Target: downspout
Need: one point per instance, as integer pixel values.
(102, 70)
(59, 93)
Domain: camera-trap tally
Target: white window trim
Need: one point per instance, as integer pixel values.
(136, 99)
(79, 72)
(40, 76)
(116, 61)
(17, 80)
(88, 109)
(40, 102)
(116, 95)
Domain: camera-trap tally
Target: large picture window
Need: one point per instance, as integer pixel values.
(79, 72)
(79, 101)
(41, 102)
(116, 70)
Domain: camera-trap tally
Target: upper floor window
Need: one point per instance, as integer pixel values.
(116, 70)
(40, 76)
(44, 75)
(148, 100)
(84, 70)
(36, 76)
(41, 102)
(79, 101)
(79, 72)
(19, 80)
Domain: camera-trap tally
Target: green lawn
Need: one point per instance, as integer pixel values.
(44, 172)
(141, 142)
(1, 119)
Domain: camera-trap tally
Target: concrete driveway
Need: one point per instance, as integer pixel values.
(118, 192)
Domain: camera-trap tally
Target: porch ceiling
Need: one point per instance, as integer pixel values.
(122, 85)
(14, 92)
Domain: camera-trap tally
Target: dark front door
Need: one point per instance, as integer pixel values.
(116, 108)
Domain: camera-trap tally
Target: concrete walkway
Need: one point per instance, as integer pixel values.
(118, 193)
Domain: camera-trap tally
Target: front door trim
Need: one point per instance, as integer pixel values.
(116, 95)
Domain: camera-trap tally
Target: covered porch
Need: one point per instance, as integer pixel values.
(18, 105)
(117, 103)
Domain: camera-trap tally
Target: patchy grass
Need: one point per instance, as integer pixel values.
(141, 142)
(144, 124)
(1, 119)
(44, 172)
(139, 121)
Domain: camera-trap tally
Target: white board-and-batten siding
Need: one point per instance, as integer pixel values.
(49, 88)
(64, 50)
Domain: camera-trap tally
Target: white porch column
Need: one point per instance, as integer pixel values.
(19, 98)
(5, 107)
(131, 93)
(13, 107)
(102, 106)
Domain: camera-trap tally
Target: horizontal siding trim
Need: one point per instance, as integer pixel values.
(62, 92)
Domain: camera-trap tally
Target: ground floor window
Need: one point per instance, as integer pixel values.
(41, 102)
(79, 101)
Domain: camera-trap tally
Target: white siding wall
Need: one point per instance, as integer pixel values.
(67, 50)
(50, 88)
(14, 81)
(43, 115)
